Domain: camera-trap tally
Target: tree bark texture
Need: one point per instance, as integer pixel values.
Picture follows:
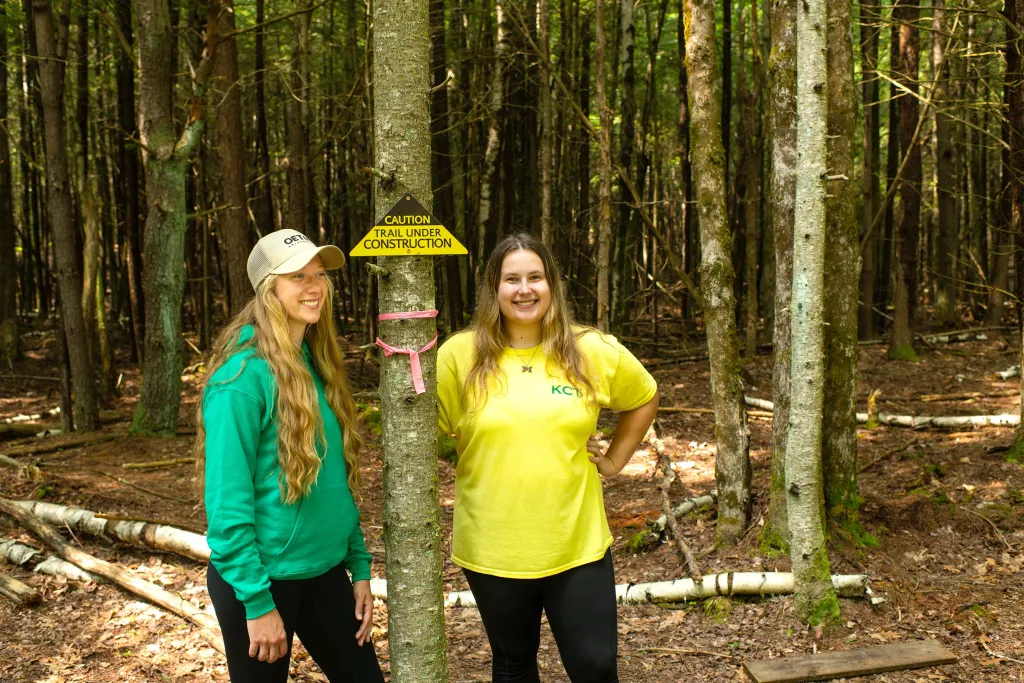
(623, 247)
(52, 52)
(781, 200)
(901, 345)
(871, 191)
(547, 133)
(842, 272)
(945, 248)
(604, 216)
(1014, 10)
(815, 596)
(126, 185)
(299, 181)
(166, 159)
(412, 525)
(487, 218)
(234, 217)
(9, 342)
(732, 460)
(265, 219)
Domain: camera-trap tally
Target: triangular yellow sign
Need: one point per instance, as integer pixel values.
(408, 230)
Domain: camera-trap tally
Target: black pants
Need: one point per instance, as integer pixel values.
(320, 610)
(580, 604)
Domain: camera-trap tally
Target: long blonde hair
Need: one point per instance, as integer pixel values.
(300, 426)
(559, 333)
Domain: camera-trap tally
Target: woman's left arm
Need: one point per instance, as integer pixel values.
(630, 431)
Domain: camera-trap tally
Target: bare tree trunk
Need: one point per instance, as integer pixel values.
(265, 220)
(9, 341)
(299, 187)
(752, 210)
(488, 218)
(234, 218)
(901, 345)
(732, 462)
(547, 133)
(624, 240)
(441, 161)
(815, 596)
(1014, 84)
(842, 272)
(869, 19)
(52, 48)
(412, 525)
(166, 158)
(604, 220)
(126, 186)
(1004, 223)
(945, 298)
(781, 198)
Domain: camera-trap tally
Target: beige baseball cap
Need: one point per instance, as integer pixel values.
(286, 251)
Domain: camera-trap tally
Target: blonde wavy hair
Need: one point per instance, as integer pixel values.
(559, 333)
(300, 426)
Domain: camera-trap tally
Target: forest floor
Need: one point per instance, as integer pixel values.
(943, 510)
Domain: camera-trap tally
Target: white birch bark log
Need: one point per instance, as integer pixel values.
(730, 583)
(919, 421)
(157, 536)
(815, 595)
(28, 557)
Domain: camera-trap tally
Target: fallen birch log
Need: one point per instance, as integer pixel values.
(685, 554)
(28, 557)
(730, 583)
(18, 592)
(655, 530)
(919, 421)
(1009, 373)
(173, 603)
(156, 536)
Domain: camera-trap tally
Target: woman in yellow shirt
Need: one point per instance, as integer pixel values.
(521, 391)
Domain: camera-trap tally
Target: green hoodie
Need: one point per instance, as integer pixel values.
(253, 535)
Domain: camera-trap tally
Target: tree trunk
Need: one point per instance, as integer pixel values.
(752, 208)
(945, 299)
(547, 133)
(1014, 84)
(869, 174)
(604, 219)
(624, 246)
(441, 161)
(9, 342)
(901, 345)
(265, 221)
(781, 198)
(234, 217)
(299, 187)
(815, 596)
(732, 461)
(126, 185)
(487, 220)
(52, 51)
(166, 158)
(412, 525)
(842, 271)
(1004, 222)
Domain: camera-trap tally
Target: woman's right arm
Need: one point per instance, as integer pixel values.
(232, 420)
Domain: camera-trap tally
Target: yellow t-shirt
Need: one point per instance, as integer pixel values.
(528, 501)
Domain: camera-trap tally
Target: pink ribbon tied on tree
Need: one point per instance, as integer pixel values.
(414, 354)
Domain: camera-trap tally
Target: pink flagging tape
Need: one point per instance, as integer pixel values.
(407, 314)
(414, 355)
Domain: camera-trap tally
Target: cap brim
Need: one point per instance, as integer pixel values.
(330, 256)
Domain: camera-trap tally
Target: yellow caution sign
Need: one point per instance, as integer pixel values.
(408, 230)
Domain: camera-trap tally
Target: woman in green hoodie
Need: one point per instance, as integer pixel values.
(278, 446)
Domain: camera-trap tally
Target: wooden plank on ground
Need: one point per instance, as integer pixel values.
(860, 662)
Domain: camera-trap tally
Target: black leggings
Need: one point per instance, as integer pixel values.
(580, 604)
(320, 610)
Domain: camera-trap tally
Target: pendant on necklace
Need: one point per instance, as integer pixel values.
(528, 368)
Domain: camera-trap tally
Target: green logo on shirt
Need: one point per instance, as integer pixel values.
(564, 390)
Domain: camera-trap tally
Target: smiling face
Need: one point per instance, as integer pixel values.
(302, 294)
(524, 295)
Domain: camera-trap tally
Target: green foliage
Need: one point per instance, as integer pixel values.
(371, 416)
(853, 531)
(642, 541)
(825, 612)
(906, 353)
(717, 609)
(771, 543)
(1014, 496)
(1016, 452)
(446, 449)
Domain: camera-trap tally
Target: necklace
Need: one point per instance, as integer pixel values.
(527, 364)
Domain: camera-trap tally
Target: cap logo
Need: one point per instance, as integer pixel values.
(296, 239)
